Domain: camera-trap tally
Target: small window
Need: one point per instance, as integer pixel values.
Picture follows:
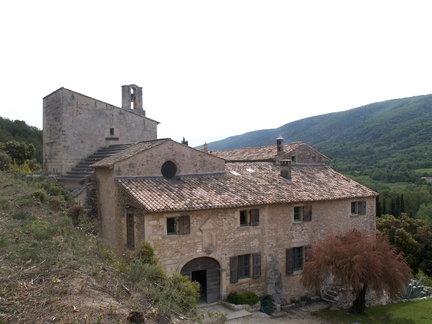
(178, 225)
(169, 169)
(249, 217)
(293, 158)
(295, 258)
(298, 214)
(130, 230)
(358, 207)
(242, 266)
(111, 131)
(303, 213)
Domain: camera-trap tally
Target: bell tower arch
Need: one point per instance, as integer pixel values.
(132, 98)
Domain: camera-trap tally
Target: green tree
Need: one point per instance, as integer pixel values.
(412, 237)
(425, 213)
(19, 151)
(358, 262)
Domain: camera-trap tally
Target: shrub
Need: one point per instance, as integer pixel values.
(248, 298)
(268, 305)
(233, 298)
(54, 188)
(414, 289)
(145, 253)
(75, 212)
(177, 295)
(5, 161)
(22, 214)
(39, 194)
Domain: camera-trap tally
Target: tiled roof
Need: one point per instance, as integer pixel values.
(243, 184)
(261, 153)
(129, 152)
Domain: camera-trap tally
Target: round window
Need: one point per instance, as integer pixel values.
(169, 169)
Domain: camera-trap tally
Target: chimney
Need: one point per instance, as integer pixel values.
(285, 169)
(279, 146)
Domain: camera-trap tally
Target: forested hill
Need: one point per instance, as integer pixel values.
(19, 131)
(392, 135)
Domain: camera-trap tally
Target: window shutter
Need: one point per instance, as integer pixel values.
(254, 217)
(184, 224)
(233, 269)
(307, 213)
(362, 207)
(308, 253)
(289, 262)
(256, 266)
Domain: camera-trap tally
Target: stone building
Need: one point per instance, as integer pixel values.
(239, 220)
(76, 126)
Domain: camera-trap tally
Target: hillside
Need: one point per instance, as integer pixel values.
(55, 269)
(391, 135)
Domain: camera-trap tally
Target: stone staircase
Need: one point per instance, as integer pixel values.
(78, 175)
(331, 296)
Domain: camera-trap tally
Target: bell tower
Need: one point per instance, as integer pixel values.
(132, 98)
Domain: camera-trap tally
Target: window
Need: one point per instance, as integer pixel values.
(130, 229)
(169, 169)
(249, 217)
(358, 207)
(241, 267)
(302, 213)
(111, 131)
(178, 225)
(295, 258)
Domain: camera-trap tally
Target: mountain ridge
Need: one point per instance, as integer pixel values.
(340, 126)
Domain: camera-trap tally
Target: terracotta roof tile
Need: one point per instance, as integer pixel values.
(129, 152)
(244, 184)
(261, 153)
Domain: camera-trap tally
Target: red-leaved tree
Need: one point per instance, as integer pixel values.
(358, 262)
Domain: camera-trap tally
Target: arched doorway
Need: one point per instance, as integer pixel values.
(206, 271)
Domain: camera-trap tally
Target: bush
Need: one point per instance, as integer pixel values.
(145, 253)
(39, 194)
(268, 305)
(248, 298)
(5, 161)
(75, 212)
(22, 215)
(233, 298)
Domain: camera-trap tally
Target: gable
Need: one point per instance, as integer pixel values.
(162, 158)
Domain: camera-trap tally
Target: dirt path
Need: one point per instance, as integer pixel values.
(293, 316)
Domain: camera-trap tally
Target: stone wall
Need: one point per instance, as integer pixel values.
(188, 161)
(275, 233)
(76, 126)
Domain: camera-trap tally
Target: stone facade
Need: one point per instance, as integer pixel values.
(137, 203)
(75, 126)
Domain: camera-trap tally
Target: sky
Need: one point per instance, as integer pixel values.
(214, 69)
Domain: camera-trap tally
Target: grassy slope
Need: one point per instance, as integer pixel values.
(53, 271)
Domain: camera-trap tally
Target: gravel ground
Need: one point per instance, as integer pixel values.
(295, 316)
